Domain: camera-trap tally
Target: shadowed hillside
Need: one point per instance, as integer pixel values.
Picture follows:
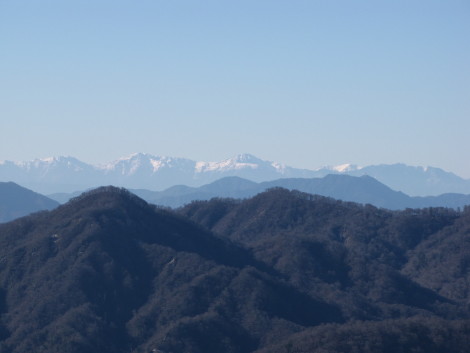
(109, 273)
(281, 272)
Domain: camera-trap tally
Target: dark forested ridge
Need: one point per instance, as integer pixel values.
(391, 270)
(280, 272)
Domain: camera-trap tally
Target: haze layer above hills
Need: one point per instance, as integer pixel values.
(144, 171)
(283, 272)
(363, 190)
(16, 201)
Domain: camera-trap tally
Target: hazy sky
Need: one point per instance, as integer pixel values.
(306, 83)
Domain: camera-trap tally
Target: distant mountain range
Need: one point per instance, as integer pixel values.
(364, 190)
(16, 201)
(144, 171)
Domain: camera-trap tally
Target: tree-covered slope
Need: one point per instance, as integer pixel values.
(109, 273)
(280, 272)
(361, 258)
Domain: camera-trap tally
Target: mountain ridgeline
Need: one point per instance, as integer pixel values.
(17, 201)
(283, 271)
(364, 190)
(141, 170)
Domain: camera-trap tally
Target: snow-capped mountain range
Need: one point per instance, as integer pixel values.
(145, 171)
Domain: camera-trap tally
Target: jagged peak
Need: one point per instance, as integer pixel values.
(51, 160)
(246, 158)
(137, 157)
(347, 167)
(342, 168)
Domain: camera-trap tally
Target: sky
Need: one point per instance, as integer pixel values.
(305, 83)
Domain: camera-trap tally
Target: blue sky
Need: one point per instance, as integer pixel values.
(306, 83)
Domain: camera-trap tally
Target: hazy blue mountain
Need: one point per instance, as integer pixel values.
(139, 171)
(63, 197)
(145, 171)
(416, 181)
(364, 190)
(16, 201)
(344, 187)
(412, 180)
(444, 200)
(50, 175)
(179, 195)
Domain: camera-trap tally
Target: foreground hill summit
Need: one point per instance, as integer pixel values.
(145, 171)
(280, 272)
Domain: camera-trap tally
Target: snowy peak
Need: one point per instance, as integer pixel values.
(238, 162)
(343, 168)
(130, 164)
(139, 162)
(247, 158)
(54, 163)
(146, 171)
(57, 160)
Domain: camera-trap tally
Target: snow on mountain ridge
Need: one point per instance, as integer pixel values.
(281, 168)
(238, 162)
(347, 167)
(47, 163)
(225, 165)
(142, 170)
(137, 161)
(132, 163)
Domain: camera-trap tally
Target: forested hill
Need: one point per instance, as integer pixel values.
(300, 235)
(280, 272)
(390, 269)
